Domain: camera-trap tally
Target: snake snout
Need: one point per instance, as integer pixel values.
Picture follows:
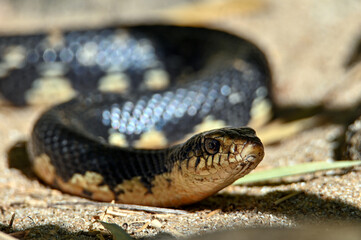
(253, 151)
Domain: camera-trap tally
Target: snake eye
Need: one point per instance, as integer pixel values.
(211, 145)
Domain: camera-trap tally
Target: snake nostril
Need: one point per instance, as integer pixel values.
(250, 158)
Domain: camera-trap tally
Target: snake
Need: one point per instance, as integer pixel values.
(151, 115)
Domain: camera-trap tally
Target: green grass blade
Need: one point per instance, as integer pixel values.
(303, 168)
(117, 232)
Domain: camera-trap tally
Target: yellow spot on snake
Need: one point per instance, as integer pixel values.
(118, 139)
(240, 65)
(52, 69)
(133, 186)
(55, 39)
(114, 82)
(130, 190)
(14, 56)
(43, 167)
(209, 123)
(156, 79)
(50, 90)
(261, 112)
(151, 140)
(90, 181)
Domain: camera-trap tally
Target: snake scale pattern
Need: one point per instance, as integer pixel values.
(148, 115)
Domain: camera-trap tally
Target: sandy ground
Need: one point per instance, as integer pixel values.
(307, 43)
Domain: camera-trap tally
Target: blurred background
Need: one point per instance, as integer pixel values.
(307, 42)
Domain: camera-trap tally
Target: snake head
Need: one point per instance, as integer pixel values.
(221, 156)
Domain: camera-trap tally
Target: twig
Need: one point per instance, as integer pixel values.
(213, 213)
(286, 197)
(120, 213)
(11, 221)
(124, 206)
(143, 227)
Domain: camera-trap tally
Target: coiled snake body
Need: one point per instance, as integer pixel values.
(167, 83)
